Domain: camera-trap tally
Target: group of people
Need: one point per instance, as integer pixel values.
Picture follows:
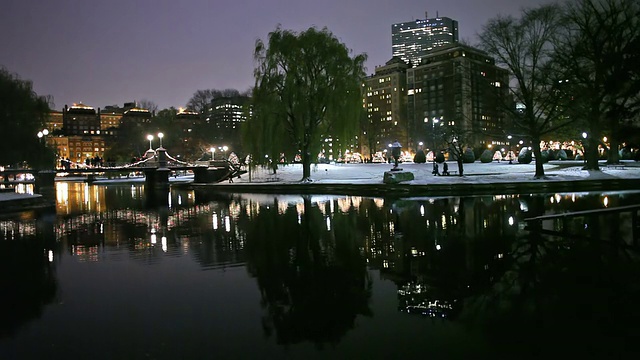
(445, 169)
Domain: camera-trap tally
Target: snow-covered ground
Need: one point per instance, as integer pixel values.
(473, 173)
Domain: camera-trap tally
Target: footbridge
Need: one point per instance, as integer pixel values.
(157, 166)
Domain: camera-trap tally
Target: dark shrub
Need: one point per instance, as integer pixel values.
(544, 156)
(486, 157)
(420, 157)
(469, 156)
(525, 156)
(561, 155)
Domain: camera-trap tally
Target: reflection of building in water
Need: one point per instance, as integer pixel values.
(416, 298)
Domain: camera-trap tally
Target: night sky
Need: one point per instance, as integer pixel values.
(111, 52)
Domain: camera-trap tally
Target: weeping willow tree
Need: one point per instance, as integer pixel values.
(22, 115)
(307, 88)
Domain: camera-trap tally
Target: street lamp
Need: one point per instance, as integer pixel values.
(510, 155)
(433, 134)
(225, 148)
(160, 136)
(584, 145)
(150, 138)
(42, 135)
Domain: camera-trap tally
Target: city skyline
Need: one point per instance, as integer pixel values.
(110, 53)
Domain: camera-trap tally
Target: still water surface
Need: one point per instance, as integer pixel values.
(117, 274)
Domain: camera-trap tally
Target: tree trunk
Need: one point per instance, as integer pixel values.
(613, 156)
(306, 166)
(592, 153)
(538, 154)
(460, 166)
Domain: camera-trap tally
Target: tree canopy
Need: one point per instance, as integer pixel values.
(307, 88)
(524, 46)
(22, 116)
(599, 51)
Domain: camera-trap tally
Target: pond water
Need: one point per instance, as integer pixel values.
(116, 273)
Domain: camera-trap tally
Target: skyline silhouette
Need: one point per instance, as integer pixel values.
(109, 53)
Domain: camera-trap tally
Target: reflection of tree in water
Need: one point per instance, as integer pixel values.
(27, 280)
(313, 280)
(577, 297)
(524, 291)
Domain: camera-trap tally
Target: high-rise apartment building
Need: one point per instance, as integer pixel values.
(413, 40)
(224, 117)
(460, 88)
(385, 103)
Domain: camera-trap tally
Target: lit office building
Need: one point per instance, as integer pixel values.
(414, 39)
(457, 88)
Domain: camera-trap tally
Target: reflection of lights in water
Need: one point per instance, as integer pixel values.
(379, 202)
(557, 196)
(227, 224)
(328, 222)
(385, 264)
(443, 221)
(511, 221)
(86, 193)
(164, 243)
(299, 219)
(179, 199)
(62, 193)
(422, 210)
(605, 201)
(50, 255)
(551, 199)
(214, 221)
(417, 299)
(523, 206)
(169, 200)
(573, 197)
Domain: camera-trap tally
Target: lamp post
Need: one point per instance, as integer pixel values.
(434, 121)
(160, 136)
(510, 155)
(584, 146)
(150, 138)
(225, 148)
(42, 135)
(213, 151)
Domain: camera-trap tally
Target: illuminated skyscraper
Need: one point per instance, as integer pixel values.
(414, 39)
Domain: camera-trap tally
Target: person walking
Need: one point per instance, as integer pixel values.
(445, 169)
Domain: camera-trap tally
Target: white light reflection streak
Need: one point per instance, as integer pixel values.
(227, 224)
(214, 220)
(164, 243)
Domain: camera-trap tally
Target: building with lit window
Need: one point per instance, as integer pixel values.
(414, 39)
(385, 105)
(457, 87)
(54, 122)
(224, 118)
(80, 119)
